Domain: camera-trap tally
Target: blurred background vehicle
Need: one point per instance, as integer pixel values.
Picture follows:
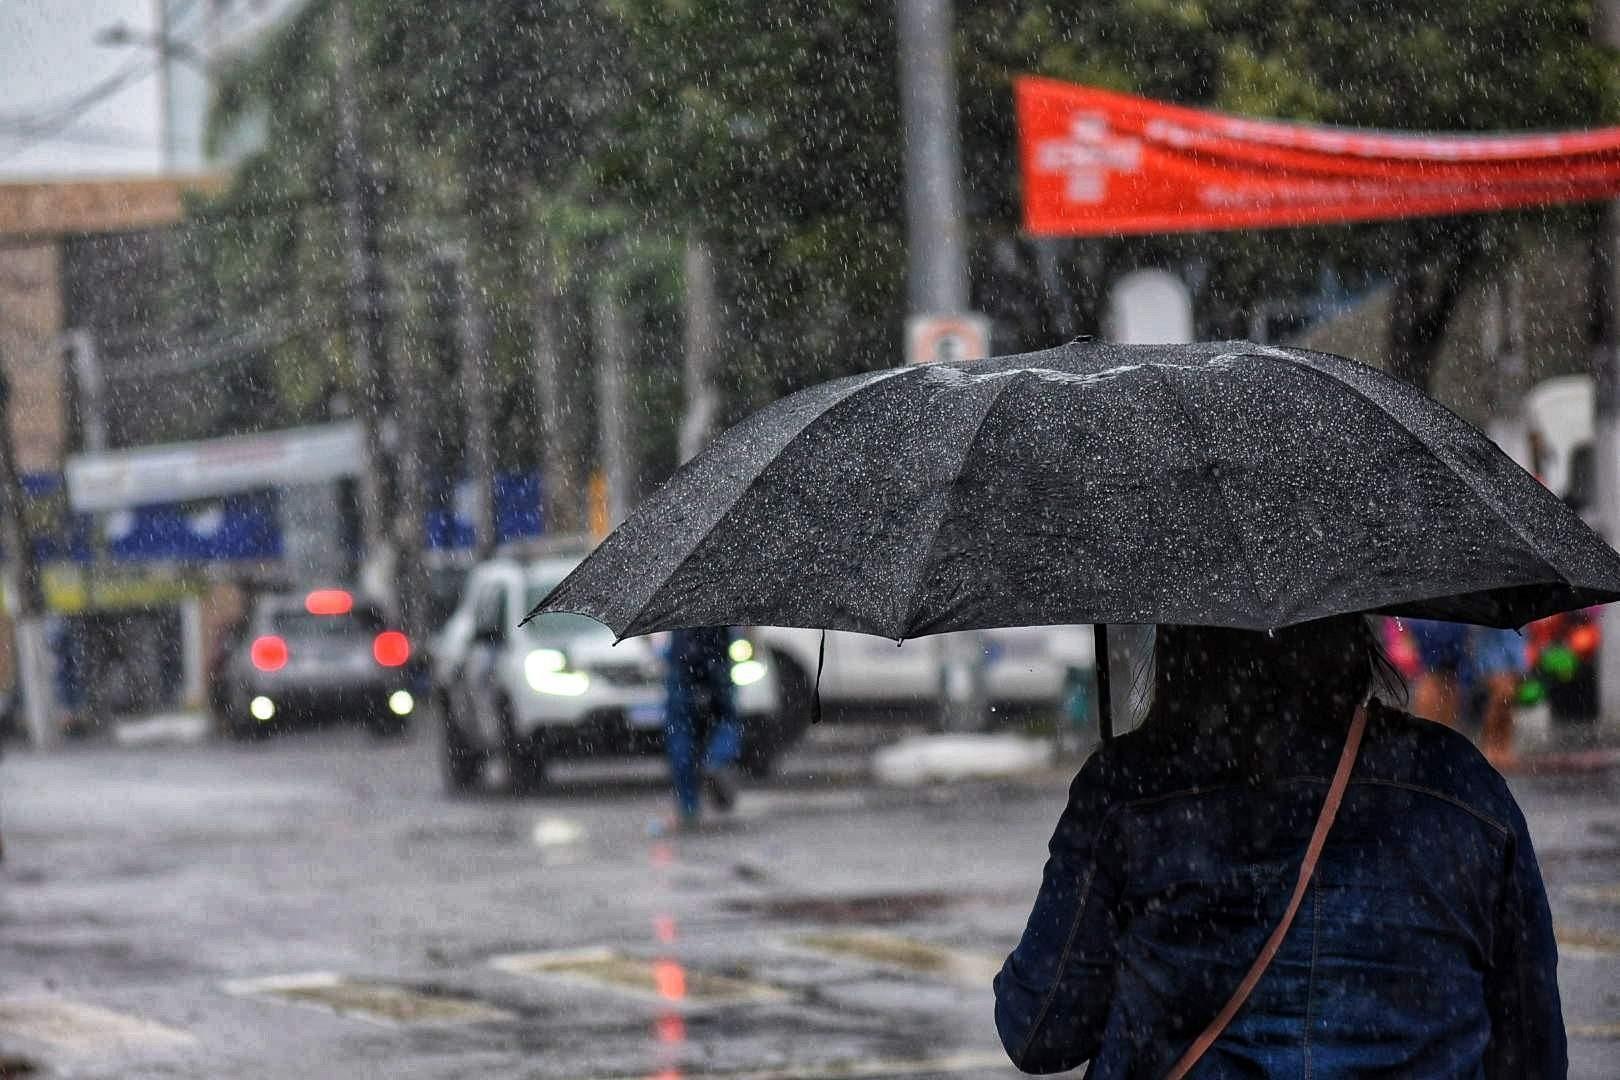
(312, 656)
(1026, 670)
(560, 687)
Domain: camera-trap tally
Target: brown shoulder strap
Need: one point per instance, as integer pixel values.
(1324, 822)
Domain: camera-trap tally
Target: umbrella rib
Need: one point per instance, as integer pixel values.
(877, 377)
(1209, 464)
(1299, 362)
(945, 497)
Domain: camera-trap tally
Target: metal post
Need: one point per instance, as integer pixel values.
(363, 282)
(935, 236)
(936, 271)
(1606, 421)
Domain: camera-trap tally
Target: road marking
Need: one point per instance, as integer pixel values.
(661, 980)
(1575, 939)
(899, 953)
(86, 1029)
(1595, 894)
(1592, 1031)
(853, 1070)
(380, 1003)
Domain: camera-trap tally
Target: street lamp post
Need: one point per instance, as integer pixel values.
(936, 252)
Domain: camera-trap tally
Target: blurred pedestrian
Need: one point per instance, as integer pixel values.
(702, 735)
(1442, 648)
(1496, 666)
(1427, 949)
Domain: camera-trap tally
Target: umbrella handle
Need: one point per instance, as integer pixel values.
(1105, 704)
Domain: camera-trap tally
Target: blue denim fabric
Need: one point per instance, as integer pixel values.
(1423, 948)
(700, 705)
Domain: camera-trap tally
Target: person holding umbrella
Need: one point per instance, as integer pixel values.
(1253, 502)
(1425, 947)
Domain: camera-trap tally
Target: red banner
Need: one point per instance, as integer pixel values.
(1096, 163)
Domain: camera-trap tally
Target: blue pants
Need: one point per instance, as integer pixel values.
(681, 744)
(701, 729)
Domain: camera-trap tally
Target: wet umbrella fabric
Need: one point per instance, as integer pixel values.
(1220, 484)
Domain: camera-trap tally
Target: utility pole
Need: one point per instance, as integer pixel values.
(472, 337)
(1606, 421)
(613, 451)
(702, 347)
(364, 289)
(936, 273)
(33, 672)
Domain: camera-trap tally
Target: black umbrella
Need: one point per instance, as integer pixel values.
(1218, 484)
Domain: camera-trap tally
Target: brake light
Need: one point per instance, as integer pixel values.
(1584, 639)
(329, 602)
(269, 653)
(391, 648)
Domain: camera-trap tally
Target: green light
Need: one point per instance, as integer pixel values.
(1531, 692)
(1560, 662)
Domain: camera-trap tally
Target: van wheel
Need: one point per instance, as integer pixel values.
(463, 762)
(525, 758)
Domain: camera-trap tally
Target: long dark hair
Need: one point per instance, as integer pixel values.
(1313, 674)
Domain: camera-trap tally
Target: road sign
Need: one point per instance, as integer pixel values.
(932, 339)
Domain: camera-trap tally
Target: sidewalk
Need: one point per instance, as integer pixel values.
(1548, 747)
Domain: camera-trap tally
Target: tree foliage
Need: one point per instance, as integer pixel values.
(598, 133)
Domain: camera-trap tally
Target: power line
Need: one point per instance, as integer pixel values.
(32, 133)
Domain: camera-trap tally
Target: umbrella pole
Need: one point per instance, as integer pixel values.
(1105, 703)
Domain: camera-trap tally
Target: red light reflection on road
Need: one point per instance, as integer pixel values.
(669, 977)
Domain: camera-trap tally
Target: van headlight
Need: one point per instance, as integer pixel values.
(747, 672)
(546, 671)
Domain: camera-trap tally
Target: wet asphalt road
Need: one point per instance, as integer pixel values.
(314, 906)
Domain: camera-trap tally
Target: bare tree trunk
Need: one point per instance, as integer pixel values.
(702, 348)
(473, 338)
(33, 674)
(559, 478)
(615, 455)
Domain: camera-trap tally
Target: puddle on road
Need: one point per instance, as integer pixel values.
(365, 1000)
(870, 909)
(903, 954)
(85, 1029)
(1590, 942)
(645, 978)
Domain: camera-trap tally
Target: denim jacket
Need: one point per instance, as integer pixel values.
(1423, 948)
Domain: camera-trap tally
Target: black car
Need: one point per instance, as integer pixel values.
(316, 656)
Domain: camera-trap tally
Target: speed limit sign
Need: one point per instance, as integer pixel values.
(935, 339)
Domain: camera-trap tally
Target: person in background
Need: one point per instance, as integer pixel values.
(1496, 665)
(702, 735)
(1442, 649)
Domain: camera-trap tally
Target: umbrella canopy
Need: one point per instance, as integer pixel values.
(1219, 484)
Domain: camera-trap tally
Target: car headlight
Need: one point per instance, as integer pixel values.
(546, 671)
(742, 650)
(747, 672)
